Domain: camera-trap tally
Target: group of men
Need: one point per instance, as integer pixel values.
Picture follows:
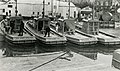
(9, 25)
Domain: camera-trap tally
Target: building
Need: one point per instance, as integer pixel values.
(35, 7)
(63, 9)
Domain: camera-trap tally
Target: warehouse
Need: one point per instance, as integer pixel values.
(35, 7)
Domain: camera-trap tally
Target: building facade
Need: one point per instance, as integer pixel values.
(35, 7)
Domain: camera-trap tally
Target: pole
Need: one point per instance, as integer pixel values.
(16, 9)
(93, 12)
(47, 62)
(51, 7)
(43, 9)
(69, 10)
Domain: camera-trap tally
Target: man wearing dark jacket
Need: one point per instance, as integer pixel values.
(47, 31)
(12, 24)
(21, 28)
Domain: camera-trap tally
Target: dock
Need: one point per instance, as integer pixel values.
(64, 63)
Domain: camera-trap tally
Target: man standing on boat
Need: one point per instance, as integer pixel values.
(12, 24)
(57, 26)
(21, 28)
(47, 31)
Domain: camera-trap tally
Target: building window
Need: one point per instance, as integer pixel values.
(6, 13)
(9, 11)
(9, 6)
(33, 13)
(38, 13)
(3, 10)
(48, 3)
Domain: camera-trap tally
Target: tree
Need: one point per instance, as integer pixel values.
(83, 3)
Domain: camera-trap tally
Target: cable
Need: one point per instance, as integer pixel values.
(47, 62)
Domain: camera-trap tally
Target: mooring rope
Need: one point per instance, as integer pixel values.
(47, 62)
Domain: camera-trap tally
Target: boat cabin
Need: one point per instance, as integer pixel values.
(91, 27)
(116, 59)
(68, 24)
(42, 23)
(17, 23)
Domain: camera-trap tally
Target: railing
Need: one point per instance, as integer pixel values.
(107, 24)
(23, 38)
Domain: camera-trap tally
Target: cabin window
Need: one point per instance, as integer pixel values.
(55, 7)
(9, 6)
(18, 20)
(3, 10)
(74, 14)
(118, 17)
(46, 22)
(33, 13)
(40, 25)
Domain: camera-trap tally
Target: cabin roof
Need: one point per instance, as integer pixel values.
(44, 19)
(66, 4)
(16, 17)
(61, 3)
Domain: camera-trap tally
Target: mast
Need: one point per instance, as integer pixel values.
(43, 13)
(69, 10)
(16, 9)
(93, 12)
(52, 7)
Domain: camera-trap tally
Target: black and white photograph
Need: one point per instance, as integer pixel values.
(59, 35)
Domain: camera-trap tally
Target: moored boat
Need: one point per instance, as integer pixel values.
(67, 28)
(40, 28)
(92, 28)
(15, 35)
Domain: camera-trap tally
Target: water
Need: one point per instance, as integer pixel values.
(90, 51)
(97, 53)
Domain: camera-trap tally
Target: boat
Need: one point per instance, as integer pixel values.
(19, 40)
(38, 28)
(92, 27)
(67, 28)
(116, 59)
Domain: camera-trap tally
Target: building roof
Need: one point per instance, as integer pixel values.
(31, 1)
(65, 4)
(28, 1)
(61, 3)
(1, 3)
(87, 9)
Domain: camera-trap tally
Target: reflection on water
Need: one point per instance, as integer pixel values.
(90, 51)
(41, 48)
(2, 43)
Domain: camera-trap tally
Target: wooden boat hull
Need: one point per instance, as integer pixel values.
(18, 39)
(16, 43)
(106, 39)
(79, 41)
(109, 41)
(46, 40)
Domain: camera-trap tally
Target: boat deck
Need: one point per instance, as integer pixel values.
(77, 37)
(103, 36)
(15, 38)
(112, 31)
(53, 39)
(106, 36)
(52, 35)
